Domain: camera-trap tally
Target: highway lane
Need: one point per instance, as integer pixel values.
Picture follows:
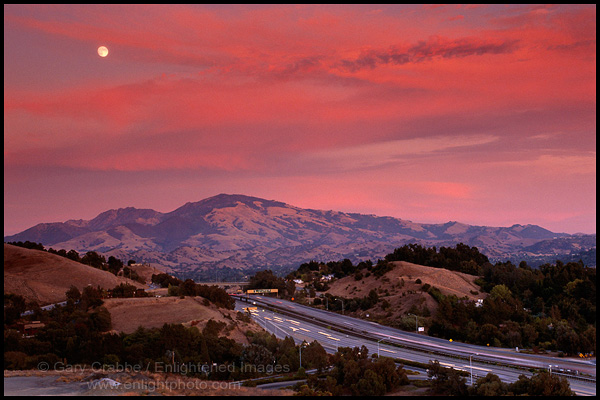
(419, 347)
(431, 343)
(282, 326)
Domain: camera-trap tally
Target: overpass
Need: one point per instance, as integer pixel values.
(223, 283)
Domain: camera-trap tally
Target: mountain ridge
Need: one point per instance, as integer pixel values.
(240, 232)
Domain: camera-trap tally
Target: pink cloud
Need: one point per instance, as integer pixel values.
(260, 90)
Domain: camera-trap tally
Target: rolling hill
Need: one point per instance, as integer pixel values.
(44, 278)
(152, 312)
(402, 289)
(242, 232)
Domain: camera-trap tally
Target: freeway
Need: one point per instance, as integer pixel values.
(45, 308)
(332, 330)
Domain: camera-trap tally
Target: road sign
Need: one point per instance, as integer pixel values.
(256, 291)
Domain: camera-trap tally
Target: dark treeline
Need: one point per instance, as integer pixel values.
(268, 280)
(552, 307)
(177, 287)
(355, 373)
(462, 258)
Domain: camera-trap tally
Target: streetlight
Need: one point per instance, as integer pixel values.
(416, 323)
(300, 348)
(342, 305)
(471, 366)
(378, 346)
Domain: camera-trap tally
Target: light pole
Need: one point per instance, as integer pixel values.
(342, 305)
(300, 348)
(471, 366)
(378, 347)
(416, 323)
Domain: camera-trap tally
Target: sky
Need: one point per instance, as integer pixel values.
(484, 115)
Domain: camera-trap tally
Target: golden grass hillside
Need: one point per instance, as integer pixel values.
(44, 277)
(401, 290)
(153, 312)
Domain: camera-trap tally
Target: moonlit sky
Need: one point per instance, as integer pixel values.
(484, 115)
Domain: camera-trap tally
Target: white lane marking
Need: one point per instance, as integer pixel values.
(474, 367)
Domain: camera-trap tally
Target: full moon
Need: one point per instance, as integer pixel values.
(102, 51)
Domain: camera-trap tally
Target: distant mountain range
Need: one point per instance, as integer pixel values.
(238, 232)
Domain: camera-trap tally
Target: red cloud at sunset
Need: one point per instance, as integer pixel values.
(466, 103)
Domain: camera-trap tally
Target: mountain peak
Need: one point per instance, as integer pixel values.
(237, 231)
(224, 200)
(124, 215)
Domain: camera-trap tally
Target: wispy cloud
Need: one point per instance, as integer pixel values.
(555, 165)
(372, 155)
(426, 50)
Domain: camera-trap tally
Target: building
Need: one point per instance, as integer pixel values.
(30, 328)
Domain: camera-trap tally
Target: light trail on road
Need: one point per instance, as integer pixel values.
(314, 324)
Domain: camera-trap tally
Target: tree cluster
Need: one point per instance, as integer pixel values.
(71, 332)
(125, 290)
(177, 287)
(214, 293)
(166, 280)
(14, 306)
(353, 304)
(461, 258)
(354, 373)
(313, 270)
(553, 307)
(268, 280)
(450, 382)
